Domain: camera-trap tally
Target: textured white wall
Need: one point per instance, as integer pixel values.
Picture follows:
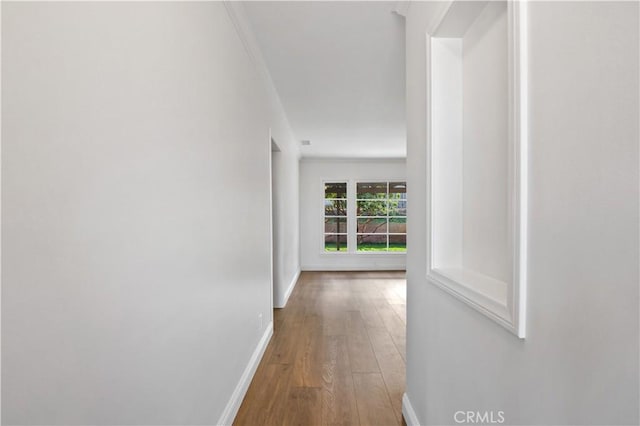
(135, 207)
(579, 362)
(312, 174)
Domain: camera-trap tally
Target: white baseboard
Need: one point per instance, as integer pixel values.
(402, 267)
(282, 303)
(230, 411)
(407, 411)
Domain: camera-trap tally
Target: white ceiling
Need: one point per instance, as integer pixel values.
(339, 70)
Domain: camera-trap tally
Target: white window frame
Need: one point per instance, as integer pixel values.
(323, 233)
(351, 218)
(387, 217)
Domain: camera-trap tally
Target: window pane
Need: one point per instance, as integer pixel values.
(397, 207)
(398, 190)
(335, 190)
(372, 190)
(335, 243)
(335, 207)
(335, 225)
(398, 225)
(372, 208)
(381, 216)
(372, 226)
(397, 243)
(375, 242)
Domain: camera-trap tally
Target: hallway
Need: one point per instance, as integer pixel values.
(337, 355)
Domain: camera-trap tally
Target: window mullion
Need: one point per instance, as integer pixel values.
(352, 222)
(388, 205)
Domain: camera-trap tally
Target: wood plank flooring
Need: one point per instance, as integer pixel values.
(337, 355)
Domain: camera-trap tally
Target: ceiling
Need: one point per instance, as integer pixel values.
(339, 70)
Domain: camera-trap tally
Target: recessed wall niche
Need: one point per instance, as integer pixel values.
(477, 161)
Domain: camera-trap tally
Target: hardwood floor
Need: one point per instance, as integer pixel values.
(337, 355)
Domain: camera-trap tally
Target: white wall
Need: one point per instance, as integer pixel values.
(579, 362)
(485, 242)
(446, 119)
(285, 178)
(286, 228)
(135, 212)
(313, 172)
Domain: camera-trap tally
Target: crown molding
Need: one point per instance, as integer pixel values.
(402, 8)
(238, 17)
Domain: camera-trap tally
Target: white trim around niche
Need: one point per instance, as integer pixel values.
(503, 302)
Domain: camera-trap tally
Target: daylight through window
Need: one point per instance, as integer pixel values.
(335, 217)
(381, 216)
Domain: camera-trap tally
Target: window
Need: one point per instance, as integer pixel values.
(381, 216)
(335, 217)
